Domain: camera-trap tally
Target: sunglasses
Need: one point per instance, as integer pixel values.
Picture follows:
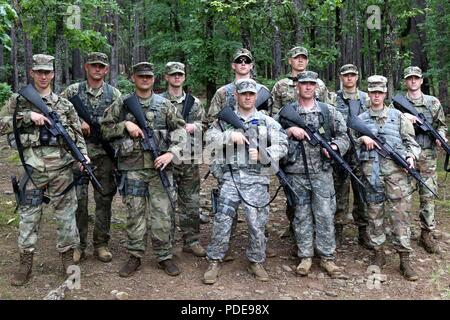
(243, 59)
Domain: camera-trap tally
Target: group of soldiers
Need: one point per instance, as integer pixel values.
(115, 142)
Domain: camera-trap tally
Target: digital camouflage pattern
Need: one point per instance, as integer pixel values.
(97, 57)
(43, 62)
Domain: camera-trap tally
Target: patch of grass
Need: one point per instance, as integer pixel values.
(7, 214)
(119, 226)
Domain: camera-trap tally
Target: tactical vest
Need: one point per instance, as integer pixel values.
(344, 107)
(96, 111)
(229, 94)
(390, 132)
(252, 168)
(424, 139)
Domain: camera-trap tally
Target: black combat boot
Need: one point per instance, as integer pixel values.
(169, 267)
(406, 268)
(24, 273)
(378, 259)
(363, 238)
(339, 232)
(427, 242)
(130, 267)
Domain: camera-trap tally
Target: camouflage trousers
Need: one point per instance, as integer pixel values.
(426, 165)
(103, 201)
(228, 203)
(54, 182)
(149, 213)
(314, 214)
(342, 182)
(395, 187)
(187, 178)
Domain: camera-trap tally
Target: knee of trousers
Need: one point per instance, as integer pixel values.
(227, 207)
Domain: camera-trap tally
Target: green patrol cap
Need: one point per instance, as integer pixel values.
(43, 62)
(412, 71)
(97, 57)
(246, 85)
(174, 67)
(143, 68)
(242, 52)
(376, 83)
(297, 51)
(307, 76)
(348, 68)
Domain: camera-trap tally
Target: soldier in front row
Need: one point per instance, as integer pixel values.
(389, 193)
(426, 164)
(311, 172)
(96, 96)
(242, 180)
(148, 204)
(187, 174)
(48, 167)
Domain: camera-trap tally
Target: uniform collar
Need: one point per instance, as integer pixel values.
(176, 99)
(383, 113)
(94, 92)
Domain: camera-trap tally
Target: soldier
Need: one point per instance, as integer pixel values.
(242, 181)
(311, 172)
(96, 96)
(426, 164)
(147, 202)
(349, 78)
(242, 66)
(285, 90)
(390, 191)
(186, 174)
(48, 171)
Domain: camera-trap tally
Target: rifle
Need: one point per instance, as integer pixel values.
(84, 114)
(262, 99)
(229, 116)
(386, 150)
(57, 130)
(134, 107)
(404, 105)
(289, 113)
(187, 106)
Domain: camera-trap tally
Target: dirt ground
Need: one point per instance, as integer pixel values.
(99, 279)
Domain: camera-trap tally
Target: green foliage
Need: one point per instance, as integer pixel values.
(7, 17)
(5, 93)
(124, 85)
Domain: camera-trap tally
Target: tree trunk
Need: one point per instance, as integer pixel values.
(28, 50)
(136, 29)
(338, 41)
(298, 34)
(419, 57)
(14, 62)
(210, 83)
(44, 44)
(77, 65)
(276, 47)
(114, 69)
(59, 53)
(66, 63)
(2, 60)
(443, 95)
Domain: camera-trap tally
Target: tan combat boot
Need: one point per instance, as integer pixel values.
(67, 260)
(103, 254)
(196, 249)
(270, 253)
(304, 267)
(258, 271)
(211, 274)
(331, 268)
(130, 267)
(24, 273)
(78, 256)
(378, 259)
(406, 268)
(427, 242)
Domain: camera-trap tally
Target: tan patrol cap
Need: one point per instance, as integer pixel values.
(307, 76)
(174, 67)
(412, 71)
(296, 51)
(348, 68)
(97, 57)
(246, 85)
(143, 69)
(43, 62)
(377, 83)
(242, 52)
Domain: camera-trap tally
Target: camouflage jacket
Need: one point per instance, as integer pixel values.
(220, 100)
(96, 104)
(434, 113)
(315, 159)
(270, 136)
(162, 117)
(343, 107)
(41, 157)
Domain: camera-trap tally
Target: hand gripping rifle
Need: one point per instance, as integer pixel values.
(289, 113)
(386, 150)
(134, 107)
(229, 116)
(403, 104)
(56, 129)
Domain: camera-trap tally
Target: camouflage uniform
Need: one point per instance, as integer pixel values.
(252, 181)
(392, 183)
(426, 164)
(148, 205)
(342, 180)
(50, 166)
(186, 174)
(96, 100)
(312, 178)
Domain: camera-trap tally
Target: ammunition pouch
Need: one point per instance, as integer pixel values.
(130, 187)
(227, 207)
(214, 200)
(46, 138)
(80, 178)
